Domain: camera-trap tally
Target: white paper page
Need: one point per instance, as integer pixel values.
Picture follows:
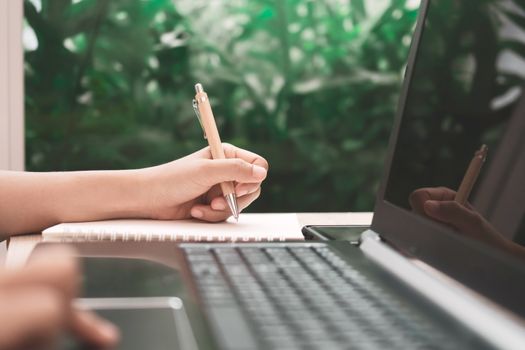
(250, 227)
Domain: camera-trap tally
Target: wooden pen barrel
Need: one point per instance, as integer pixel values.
(212, 135)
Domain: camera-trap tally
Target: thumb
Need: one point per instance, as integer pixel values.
(93, 330)
(221, 170)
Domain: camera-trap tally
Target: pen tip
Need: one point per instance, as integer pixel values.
(232, 203)
(198, 88)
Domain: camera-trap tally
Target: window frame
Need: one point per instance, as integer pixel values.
(12, 153)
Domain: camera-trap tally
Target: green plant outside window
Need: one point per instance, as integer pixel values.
(310, 85)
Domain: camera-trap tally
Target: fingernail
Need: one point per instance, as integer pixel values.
(196, 213)
(259, 172)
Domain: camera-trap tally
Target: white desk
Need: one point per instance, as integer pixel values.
(20, 247)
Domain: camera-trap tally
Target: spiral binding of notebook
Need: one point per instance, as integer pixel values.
(88, 236)
(250, 228)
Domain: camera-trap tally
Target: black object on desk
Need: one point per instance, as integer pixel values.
(351, 233)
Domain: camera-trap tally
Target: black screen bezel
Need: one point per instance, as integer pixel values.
(503, 280)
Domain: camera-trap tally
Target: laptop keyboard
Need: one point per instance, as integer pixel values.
(300, 297)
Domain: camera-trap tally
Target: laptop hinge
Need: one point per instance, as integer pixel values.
(486, 319)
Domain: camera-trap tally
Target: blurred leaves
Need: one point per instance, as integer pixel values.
(310, 85)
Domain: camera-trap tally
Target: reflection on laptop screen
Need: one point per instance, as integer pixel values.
(467, 90)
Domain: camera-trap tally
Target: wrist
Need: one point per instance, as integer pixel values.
(101, 195)
(131, 190)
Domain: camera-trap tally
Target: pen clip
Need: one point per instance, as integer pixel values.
(197, 113)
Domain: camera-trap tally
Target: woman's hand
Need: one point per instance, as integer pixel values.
(438, 204)
(189, 187)
(36, 305)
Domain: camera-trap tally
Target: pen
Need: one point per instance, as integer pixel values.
(471, 175)
(202, 107)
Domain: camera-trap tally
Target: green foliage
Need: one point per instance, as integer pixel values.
(310, 85)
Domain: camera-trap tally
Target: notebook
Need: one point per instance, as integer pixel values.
(250, 227)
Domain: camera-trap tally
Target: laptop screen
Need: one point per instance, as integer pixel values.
(464, 101)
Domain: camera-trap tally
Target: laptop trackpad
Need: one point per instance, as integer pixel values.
(144, 323)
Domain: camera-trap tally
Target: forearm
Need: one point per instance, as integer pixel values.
(30, 202)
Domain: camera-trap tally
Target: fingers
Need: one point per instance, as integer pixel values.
(44, 253)
(232, 151)
(45, 289)
(222, 170)
(453, 214)
(39, 296)
(244, 189)
(94, 330)
(466, 221)
(217, 200)
(53, 267)
(418, 198)
(32, 317)
(207, 213)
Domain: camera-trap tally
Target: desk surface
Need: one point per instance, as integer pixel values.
(20, 247)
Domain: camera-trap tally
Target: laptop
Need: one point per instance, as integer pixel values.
(430, 273)
(452, 278)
